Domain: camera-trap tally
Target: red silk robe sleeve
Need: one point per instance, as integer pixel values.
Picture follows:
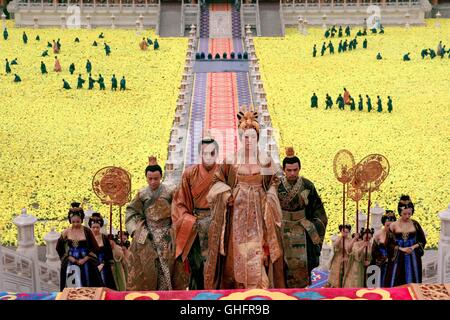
(183, 220)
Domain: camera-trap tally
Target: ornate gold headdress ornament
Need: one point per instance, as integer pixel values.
(247, 120)
(152, 161)
(290, 153)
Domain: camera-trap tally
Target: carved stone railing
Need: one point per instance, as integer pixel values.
(20, 270)
(16, 272)
(259, 97)
(179, 133)
(190, 13)
(250, 16)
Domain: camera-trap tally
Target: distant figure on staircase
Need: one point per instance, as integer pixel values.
(114, 83)
(57, 67)
(347, 31)
(369, 103)
(314, 101)
(7, 66)
(360, 103)
(43, 68)
(432, 53)
(328, 102)
(107, 49)
(123, 84)
(324, 48)
(143, 44)
(72, 68)
(439, 48)
(406, 57)
(101, 82)
(80, 82)
(88, 66)
(352, 104)
(331, 47)
(346, 96)
(55, 47)
(91, 82)
(155, 45)
(340, 102)
(379, 104)
(314, 51)
(389, 104)
(66, 85)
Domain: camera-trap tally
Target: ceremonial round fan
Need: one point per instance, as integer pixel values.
(375, 169)
(113, 186)
(343, 164)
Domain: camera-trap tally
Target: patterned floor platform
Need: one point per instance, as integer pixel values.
(410, 292)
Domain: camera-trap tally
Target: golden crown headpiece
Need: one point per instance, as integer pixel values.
(248, 120)
(290, 152)
(152, 161)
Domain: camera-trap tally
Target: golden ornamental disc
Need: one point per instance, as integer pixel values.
(112, 185)
(343, 164)
(375, 169)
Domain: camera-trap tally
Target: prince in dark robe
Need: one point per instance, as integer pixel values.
(304, 223)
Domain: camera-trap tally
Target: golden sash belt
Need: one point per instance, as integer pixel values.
(299, 216)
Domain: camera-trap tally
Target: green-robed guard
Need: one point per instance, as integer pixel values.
(148, 221)
(304, 223)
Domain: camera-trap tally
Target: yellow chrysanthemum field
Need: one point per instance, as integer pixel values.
(52, 141)
(415, 137)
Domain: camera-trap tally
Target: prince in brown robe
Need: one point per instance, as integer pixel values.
(191, 214)
(151, 263)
